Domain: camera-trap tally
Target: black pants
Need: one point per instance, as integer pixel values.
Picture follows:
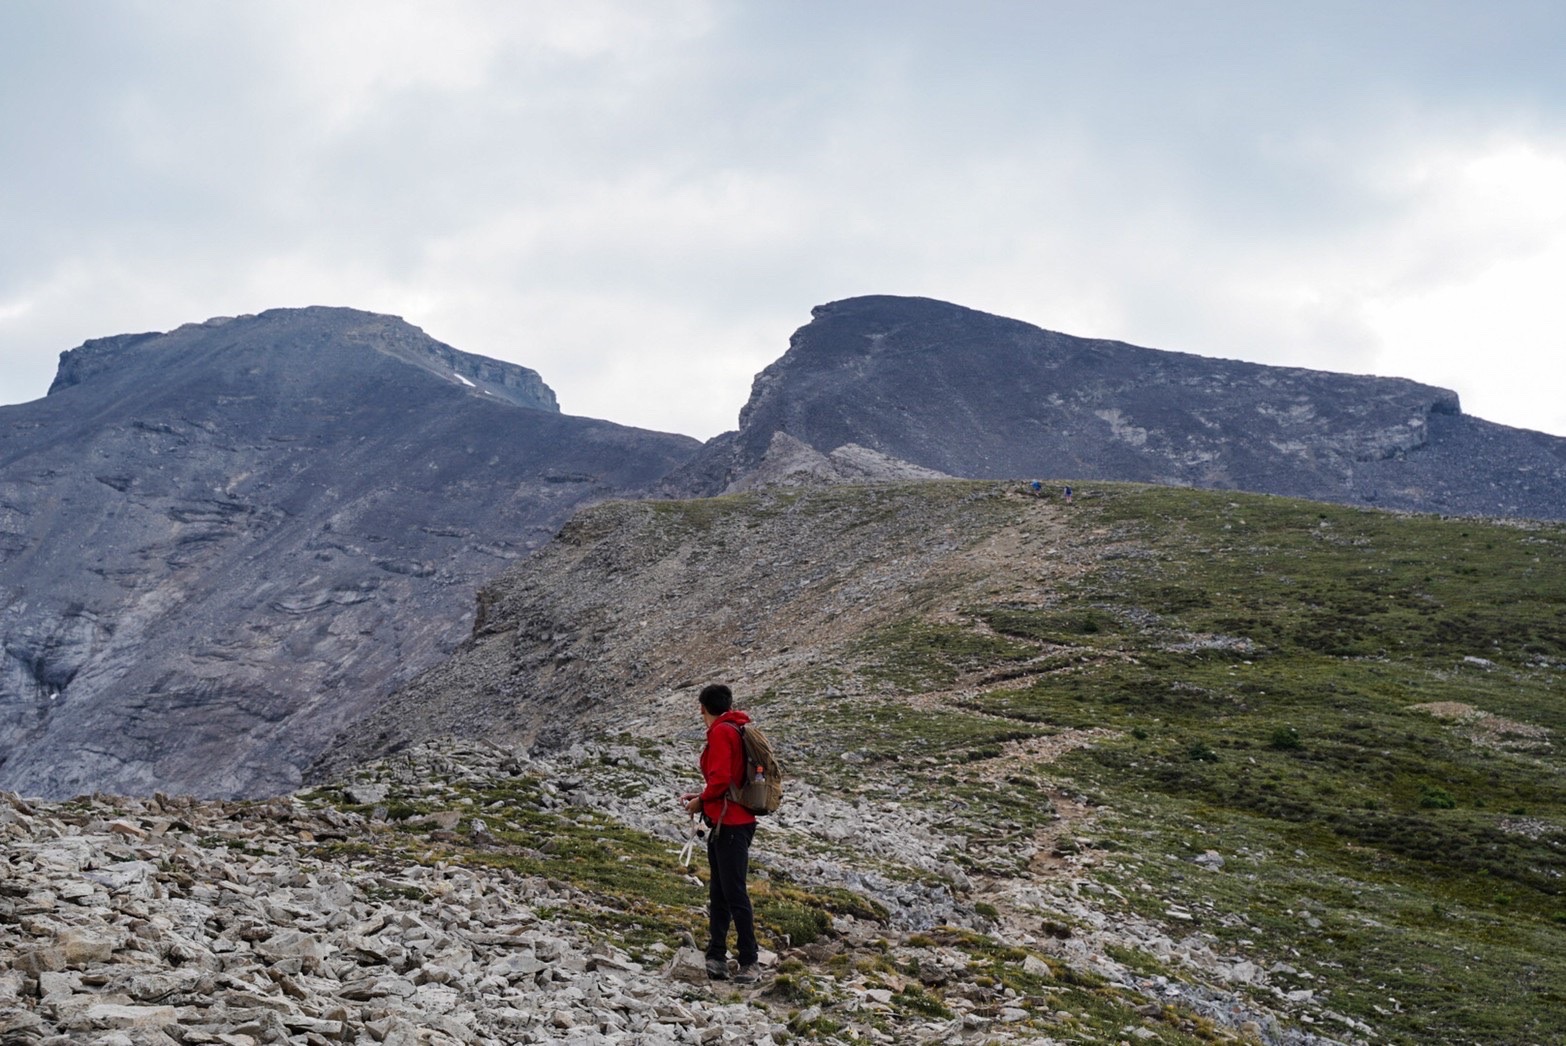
(728, 859)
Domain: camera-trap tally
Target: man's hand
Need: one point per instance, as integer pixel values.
(692, 801)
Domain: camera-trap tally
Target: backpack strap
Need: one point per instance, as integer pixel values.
(724, 809)
(744, 762)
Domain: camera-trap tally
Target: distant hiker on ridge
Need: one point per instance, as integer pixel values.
(728, 842)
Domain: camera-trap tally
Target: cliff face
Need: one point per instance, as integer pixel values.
(980, 396)
(220, 545)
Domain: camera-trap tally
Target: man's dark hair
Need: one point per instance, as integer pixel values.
(717, 698)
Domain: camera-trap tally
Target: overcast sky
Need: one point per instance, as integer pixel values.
(642, 199)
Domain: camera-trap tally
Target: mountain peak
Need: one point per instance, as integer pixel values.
(970, 394)
(224, 542)
(318, 334)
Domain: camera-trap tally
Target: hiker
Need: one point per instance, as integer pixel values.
(1037, 488)
(1068, 495)
(731, 827)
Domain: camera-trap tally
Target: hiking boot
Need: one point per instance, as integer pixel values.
(748, 974)
(717, 970)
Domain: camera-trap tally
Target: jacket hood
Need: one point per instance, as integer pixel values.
(733, 715)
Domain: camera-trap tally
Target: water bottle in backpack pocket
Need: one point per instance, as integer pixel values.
(760, 788)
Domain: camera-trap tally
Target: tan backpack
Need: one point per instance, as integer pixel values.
(760, 787)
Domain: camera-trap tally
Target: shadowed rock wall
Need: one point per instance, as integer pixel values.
(221, 545)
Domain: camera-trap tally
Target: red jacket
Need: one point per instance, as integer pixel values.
(723, 764)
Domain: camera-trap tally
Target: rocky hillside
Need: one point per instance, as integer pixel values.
(1319, 745)
(970, 394)
(220, 545)
(467, 894)
(173, 921)
(633, 604)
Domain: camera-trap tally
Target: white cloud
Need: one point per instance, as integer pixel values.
(1477, 306)
(641, 200)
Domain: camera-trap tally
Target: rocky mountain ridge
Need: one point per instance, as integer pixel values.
(222, 544)
(979, 396)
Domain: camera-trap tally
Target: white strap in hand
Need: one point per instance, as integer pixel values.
(688, 852)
